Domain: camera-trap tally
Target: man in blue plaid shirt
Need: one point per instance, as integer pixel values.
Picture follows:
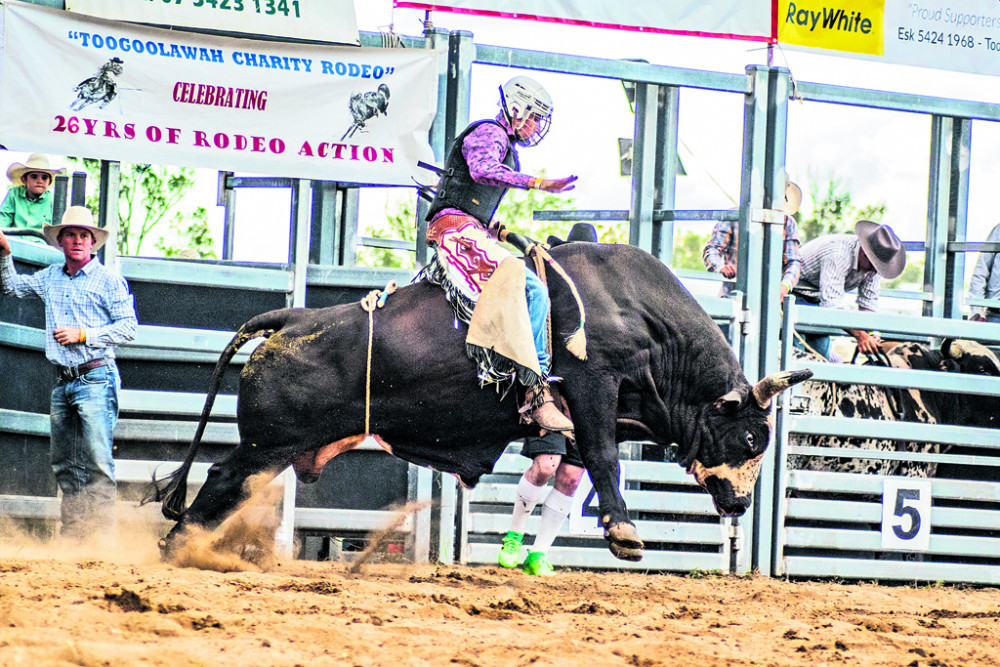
(88, 311)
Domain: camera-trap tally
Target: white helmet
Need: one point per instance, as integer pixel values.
(527, 108)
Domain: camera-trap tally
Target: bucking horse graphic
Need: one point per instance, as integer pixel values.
(99, 89)
(365, 106)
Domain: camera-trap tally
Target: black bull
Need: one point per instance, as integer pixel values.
(658, 369)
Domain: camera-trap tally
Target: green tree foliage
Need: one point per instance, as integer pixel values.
(400, 225)
(833, 211)
(193, 237)
(147, 195)
(687, 251)
(912, 276)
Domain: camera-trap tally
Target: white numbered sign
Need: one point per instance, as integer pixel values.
(906, 514)
(584, 518)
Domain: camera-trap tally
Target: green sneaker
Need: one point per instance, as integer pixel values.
(537, 564)
(510, 551)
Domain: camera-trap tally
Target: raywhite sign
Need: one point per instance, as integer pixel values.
(906, 514)
(733, 19)
(138, 94)
(322, 20)
(959, 36)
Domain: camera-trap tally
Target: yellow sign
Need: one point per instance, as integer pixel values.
(855, 26)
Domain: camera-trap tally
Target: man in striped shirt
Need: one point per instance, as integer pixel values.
(88, 311)
(834, 264)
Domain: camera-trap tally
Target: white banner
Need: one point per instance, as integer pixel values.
(958, 36)
(322, 20)
(733, 19)
(120, 91)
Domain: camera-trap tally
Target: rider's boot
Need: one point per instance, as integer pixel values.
(541, 409)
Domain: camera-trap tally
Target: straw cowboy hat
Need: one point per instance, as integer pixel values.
(793, 198)
(35, 162)
(883, 248)
(76, 216)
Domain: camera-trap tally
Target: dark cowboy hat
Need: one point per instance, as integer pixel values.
(883, 248)
(581, 231)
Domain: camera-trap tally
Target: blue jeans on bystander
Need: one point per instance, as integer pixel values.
(83, 414)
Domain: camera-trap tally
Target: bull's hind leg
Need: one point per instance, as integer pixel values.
(224, 488)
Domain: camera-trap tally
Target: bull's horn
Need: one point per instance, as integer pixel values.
(954, 349)
(775, 383)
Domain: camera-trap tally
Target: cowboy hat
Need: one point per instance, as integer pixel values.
(882, 247)
(793, 198)
(35, 162)
(76, 216)
(581, 231)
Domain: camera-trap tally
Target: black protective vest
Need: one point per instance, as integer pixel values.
(456, 189)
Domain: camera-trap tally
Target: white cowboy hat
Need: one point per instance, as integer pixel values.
(35, 162)
(883, 248)
(76, 216)
(793, 197)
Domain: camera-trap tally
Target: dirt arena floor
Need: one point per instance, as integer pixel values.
(78, 606)
(115, 604)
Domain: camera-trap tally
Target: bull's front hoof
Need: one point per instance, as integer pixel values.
(166, 550)
(170, 545)
(625, 553)
(623, 542)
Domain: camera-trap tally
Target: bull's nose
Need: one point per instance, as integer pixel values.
(726, 502)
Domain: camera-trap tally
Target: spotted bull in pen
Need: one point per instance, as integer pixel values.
(912, 405)
(657, 368)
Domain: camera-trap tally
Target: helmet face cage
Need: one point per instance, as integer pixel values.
(527, 107)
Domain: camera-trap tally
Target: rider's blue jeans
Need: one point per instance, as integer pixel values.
(538, 310)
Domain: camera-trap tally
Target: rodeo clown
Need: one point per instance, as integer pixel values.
(507, 334)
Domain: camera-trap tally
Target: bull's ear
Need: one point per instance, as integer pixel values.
(730, 401)
(950, 349)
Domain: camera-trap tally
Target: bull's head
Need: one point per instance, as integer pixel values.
(970, 357)
(737, 431)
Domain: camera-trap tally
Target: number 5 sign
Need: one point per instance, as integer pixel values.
(906, 514)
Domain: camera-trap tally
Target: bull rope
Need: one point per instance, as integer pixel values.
(374, 299)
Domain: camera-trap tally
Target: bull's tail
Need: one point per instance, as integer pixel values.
(172, 490)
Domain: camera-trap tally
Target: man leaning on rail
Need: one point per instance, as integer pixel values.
(836, 263)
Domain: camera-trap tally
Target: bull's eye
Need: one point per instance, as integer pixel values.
(750, 440)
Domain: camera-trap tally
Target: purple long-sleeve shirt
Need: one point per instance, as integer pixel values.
(484, 150)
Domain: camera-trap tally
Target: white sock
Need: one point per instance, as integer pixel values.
(528, 496)
(555, 511)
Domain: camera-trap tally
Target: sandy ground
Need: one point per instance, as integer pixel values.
(62, 605)
(229, 599)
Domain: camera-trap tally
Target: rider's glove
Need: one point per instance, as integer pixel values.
(552, 184)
